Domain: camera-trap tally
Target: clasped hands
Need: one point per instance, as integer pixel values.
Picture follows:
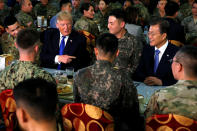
(65, 58)
(152, 81)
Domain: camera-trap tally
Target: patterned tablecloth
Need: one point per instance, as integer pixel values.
(144, 93)
(63, 98)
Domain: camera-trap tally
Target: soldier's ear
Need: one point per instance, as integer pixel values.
(36, 48)
(7, 30)
(96, 51)
(117, 53)
(15, 45)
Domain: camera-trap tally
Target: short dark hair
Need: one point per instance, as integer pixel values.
(195, 2)
(131, 15)
(27, 38)
(119, 14)
(85, 6)
(108, 43)
(64, 2)
(171, 8)
(163, 24)
(38, 97)
(106, 1)
(187, 56)
(9, 20)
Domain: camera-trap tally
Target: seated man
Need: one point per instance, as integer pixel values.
(154, 67)
(36, 104)
(130, 49)
(63, 47)
(180, 98)
(65, 5)
(27, 44)
(176, 30)
(24, 16)
(107, 87)
(190, 24)
(8, 39)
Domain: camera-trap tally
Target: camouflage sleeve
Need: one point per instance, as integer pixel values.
(81, 25)
(136, 55)
(3, 79)
(75, 90)
(152, 107)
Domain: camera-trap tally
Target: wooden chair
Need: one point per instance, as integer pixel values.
(8, 106)
(85, 117)
(170, 122)
(176, 43)
(90, 43)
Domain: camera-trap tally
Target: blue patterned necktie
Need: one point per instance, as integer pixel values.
(156, 63)
(61, 51)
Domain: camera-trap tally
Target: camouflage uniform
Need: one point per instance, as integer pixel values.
(24, 18)
(106, 87)
(115, 5)
(178, 99)
(190, 27)
(102, 21)
(129, 53)
(47, 11)
(76, 14)
(19, 71)
(88, 25)
(186, 10)
(7, 43)
(3, 13)
(143, 13)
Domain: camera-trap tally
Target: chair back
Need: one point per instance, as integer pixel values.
(8, 107)
(90, 42)
(176, 43)
(85, 117)
(170, 122)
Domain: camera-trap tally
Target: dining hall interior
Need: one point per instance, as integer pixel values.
(98, 65)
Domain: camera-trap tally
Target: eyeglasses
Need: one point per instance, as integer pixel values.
(171, 61)
(153, 33)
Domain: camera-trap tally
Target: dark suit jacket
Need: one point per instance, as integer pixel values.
(164, 71)
(75, 46)
(176, 31)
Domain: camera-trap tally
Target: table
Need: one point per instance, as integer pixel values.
(142, 89)
(67, 98)
(146, 92)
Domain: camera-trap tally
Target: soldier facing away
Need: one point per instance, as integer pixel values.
(107, 87)
(179, 98)
(27, 44)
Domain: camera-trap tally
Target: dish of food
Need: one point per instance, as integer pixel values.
(64, 89)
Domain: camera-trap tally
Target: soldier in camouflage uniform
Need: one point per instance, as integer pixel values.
(86, 21)
(45, 9)
(101, 17)
(76, 14)
(179, 98)
(24, 17)
(104, 86)
(4, 11)
(144, 15)
(25, 67)
(130, 49)
(190, 24)
(114, 4)
(186, 8)
(7, 40)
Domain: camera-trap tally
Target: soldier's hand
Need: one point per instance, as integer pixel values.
(151, 81)
(65, 58)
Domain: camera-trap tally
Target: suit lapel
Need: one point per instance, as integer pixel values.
(56, 41)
